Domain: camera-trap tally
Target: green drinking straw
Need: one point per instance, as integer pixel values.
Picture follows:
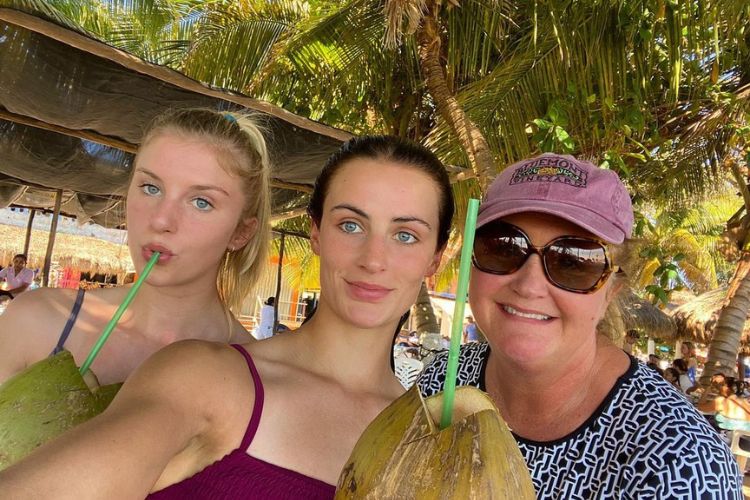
(458, 313)
(116, 317)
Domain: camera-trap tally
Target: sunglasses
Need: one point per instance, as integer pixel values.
(572, 263)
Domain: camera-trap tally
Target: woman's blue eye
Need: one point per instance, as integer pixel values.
(202, 204)
(150, 189)
(405, 237)
(350, 227)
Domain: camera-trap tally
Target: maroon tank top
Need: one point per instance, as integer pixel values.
(241, 476)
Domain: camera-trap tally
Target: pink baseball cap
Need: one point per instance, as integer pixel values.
(574, 190)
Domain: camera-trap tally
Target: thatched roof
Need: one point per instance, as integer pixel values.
(639, 314)
(80, 252)
(696, 319)
(642, 315)
(73, 109)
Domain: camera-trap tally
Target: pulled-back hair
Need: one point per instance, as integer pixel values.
(396, 150)
(241, 150)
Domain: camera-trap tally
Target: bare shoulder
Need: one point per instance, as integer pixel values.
(194, 375)
(42, 301)
(195, 360)
(281, 358)
(30, 326)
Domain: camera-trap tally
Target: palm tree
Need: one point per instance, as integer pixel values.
(650, 88)
(424, 21)
(722, 353)
(683, 246)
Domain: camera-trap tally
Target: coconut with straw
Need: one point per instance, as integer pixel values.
(51, 396)
(451, 445)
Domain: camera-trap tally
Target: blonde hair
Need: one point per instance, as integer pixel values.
(241, 149)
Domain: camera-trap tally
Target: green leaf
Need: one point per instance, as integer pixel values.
(557, 114)
(542, 124)
(658, 292)
(564, 139)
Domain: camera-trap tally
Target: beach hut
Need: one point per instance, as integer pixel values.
(75, 252)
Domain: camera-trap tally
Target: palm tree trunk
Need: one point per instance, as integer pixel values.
(424, 314)
(722, 352)
(469, 135)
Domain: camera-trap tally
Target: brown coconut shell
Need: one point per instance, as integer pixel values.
(404, 454)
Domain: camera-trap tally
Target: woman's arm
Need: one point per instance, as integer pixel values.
(167, 407)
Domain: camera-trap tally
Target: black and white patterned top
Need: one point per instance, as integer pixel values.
(644, 441)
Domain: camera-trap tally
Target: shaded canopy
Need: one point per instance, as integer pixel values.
(73, 109)
(696, 319)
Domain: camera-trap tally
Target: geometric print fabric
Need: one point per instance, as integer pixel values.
(645, 441)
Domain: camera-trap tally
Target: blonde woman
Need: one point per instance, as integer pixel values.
(198, 195)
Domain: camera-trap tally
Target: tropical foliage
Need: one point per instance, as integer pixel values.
(684, 247)
(657, 90)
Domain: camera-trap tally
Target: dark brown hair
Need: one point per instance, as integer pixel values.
(394, 149)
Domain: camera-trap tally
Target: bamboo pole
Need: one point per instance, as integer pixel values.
(81, 134)
(27, 240)
(278, 285)
(51, 241)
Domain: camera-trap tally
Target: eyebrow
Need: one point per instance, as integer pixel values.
(361, 213)
(197, 187)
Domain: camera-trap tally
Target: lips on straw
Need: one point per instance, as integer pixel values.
(120, 310)
(449, 390)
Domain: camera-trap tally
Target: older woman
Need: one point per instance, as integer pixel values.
(590, 420)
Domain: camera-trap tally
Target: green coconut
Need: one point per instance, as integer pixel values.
(43, 401)
(404, 454)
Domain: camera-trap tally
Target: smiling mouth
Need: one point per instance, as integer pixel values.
(515, 312)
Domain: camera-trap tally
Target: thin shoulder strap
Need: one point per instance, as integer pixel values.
(71, 321)
(252, 427)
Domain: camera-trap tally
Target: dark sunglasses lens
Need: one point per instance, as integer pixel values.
(499, 248)
(576, 264)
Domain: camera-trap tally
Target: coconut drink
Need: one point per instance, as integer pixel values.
(43, 401)
(451, 445)
(403, 453)
(51, 396)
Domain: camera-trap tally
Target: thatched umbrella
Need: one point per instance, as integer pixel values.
(642, 315)
(636, 313)
(696, 319)
(71, 250)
